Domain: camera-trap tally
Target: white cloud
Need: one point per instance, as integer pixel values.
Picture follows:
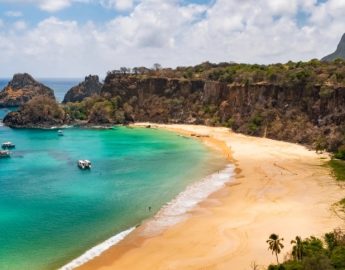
(165, 31)
(20, 25)
(54, 5)
(13, 13)
(120, 5)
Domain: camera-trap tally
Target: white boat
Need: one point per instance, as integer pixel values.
(5, 154)
(60, 132)
(8, 145)
(84, 164)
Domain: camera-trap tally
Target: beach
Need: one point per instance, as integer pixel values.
(278, 188)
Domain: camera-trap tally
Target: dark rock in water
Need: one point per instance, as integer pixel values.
(89, 87)
(339, 53)
(21, 89)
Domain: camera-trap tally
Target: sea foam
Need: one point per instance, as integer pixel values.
(97, 250)
(170, 214)
(177, 210)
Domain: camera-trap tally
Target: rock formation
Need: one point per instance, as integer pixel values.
(39, 112)
(339, 53)
(306, 105)
(21, 89)
(310, 116)
(89, 87)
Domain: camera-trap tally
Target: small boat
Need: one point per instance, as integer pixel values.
(8, 145)
(60, 132)
(5, 154)
(84, 164)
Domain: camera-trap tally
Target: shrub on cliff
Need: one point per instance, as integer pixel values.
(101, 113)
(340, 154)
(39, 111)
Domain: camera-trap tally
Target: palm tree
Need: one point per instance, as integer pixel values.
(275, 244)
(297, 250)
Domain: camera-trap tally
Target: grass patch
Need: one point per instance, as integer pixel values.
(342, 202)
(338, 169)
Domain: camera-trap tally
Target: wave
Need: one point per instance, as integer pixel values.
(170, 214)
(97, 250)
(177, 210)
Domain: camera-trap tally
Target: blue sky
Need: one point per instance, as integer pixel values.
(82, 12)
(69, 38)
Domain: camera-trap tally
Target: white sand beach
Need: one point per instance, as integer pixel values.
(279, 188)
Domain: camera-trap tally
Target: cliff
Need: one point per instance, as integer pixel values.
(308, 115)
(89, 87)
(296, 102)
(339, 53)
(21, 89)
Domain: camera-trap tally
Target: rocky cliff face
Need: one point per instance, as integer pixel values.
(156, 99)
(310, 114)
(89, 87)
(21, 89)
(313, 116)
(339, 53)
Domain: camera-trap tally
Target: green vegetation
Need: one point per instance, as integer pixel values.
(99, 110)
(340, 154)
(295, 74)
(275, 245)
(316, 254)
(338, 168)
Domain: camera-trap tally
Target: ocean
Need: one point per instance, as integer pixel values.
(51, 212)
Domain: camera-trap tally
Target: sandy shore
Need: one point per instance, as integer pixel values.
(279, 188)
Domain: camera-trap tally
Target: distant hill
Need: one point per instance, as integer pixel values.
(339, 53)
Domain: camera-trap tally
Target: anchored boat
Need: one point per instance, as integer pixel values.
(60, 132)
(5, 154)
(8, 145)
(84, 164)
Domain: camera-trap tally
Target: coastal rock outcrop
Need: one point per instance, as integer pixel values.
(339, 53)
(22, 88)
(39, 112)
(89, 87)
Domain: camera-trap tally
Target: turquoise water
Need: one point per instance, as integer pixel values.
(51, 212)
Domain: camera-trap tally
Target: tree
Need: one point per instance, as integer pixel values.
(274, 243)
(157, 66)
(125, 70)
(297, 250)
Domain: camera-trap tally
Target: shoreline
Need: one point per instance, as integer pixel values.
(167, 216)
(229, 220)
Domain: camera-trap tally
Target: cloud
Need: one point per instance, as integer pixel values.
(12, 13)
(20, 25)
(54, 5)
(121, 5)
(171, 33)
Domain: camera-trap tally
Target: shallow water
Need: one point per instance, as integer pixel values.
(51, 212)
